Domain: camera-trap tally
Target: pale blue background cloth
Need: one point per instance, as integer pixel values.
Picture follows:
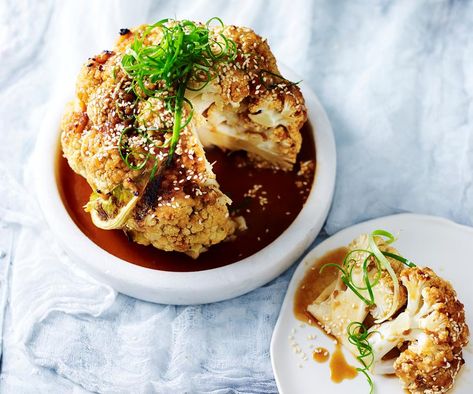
(396, 78)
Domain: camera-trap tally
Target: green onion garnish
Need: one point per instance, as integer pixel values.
(401, 259)
(346, 270)
(358, 336)
(186, 57)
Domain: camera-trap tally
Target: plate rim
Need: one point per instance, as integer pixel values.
(195, 287)
(312, 253)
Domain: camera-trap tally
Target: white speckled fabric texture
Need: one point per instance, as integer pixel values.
(396, 79)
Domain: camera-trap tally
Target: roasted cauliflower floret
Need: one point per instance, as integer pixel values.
(251, 107)
(432, 327)
(184, 225)
(92, 124)
(188, 213)
(336, 308)
(383, 292)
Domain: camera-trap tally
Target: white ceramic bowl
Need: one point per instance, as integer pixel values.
(188, 287)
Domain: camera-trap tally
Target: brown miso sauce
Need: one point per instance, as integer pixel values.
(310, 287)
(320, 354)
(339, 368)
(314, 282)
(265, 223)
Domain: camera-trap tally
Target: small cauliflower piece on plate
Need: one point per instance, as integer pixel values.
(432, 331)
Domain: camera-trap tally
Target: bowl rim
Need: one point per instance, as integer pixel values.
(194, 287)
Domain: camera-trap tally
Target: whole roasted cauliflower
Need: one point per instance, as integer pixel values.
(418, 335)
(244, 105)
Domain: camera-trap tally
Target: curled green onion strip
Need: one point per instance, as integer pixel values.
(385, 264)
(186, 57)
(401, 259)
(346, 279)
(368, 378)
(358, 336)
(127, 154)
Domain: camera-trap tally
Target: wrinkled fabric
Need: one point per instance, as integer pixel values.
(395, 79)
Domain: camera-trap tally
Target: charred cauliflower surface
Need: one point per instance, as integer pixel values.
(243, 107)
(429, 330)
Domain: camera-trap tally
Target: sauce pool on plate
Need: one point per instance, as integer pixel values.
(268, 200)
(314, 282)
(320, 354)
(309, 288)
(339, 368)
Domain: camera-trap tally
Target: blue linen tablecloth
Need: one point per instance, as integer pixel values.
(396, 78)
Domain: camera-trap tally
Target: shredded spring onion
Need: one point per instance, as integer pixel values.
(186, 57)
(358, 336)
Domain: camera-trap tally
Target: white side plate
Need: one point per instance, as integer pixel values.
(188, 287)
(442, 245)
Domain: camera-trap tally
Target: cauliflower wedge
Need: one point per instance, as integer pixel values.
(420, 339)
(430, 333)
(337, 306)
